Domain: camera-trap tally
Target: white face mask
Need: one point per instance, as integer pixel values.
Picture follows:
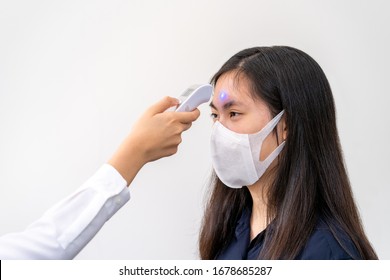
(236, 157)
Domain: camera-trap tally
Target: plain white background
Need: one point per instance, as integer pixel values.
(75, 76)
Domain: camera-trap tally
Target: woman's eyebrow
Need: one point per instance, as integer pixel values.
(227, 105)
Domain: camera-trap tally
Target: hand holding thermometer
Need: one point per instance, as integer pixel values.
(193, 97)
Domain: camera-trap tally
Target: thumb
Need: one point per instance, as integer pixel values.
(162, 105)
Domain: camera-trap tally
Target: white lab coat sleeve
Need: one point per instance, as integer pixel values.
(69, 225)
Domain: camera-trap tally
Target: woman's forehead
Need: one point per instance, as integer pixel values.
(233, 88)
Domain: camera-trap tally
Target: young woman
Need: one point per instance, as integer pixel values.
(280, 188)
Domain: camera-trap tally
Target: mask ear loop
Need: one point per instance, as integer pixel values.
(259, 137)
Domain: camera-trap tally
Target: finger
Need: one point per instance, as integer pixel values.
(162, 105)
(187, 117)
(186, 126)
(173, 150)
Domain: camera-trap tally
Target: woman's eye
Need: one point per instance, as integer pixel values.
(213, 116)
(233, 114)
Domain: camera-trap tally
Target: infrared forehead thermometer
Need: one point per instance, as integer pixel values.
(193, 97)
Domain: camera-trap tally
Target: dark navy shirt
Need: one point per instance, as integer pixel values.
(321, 245)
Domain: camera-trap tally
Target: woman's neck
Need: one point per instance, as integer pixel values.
(258, 221)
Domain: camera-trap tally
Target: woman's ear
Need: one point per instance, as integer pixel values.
(284, 127)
